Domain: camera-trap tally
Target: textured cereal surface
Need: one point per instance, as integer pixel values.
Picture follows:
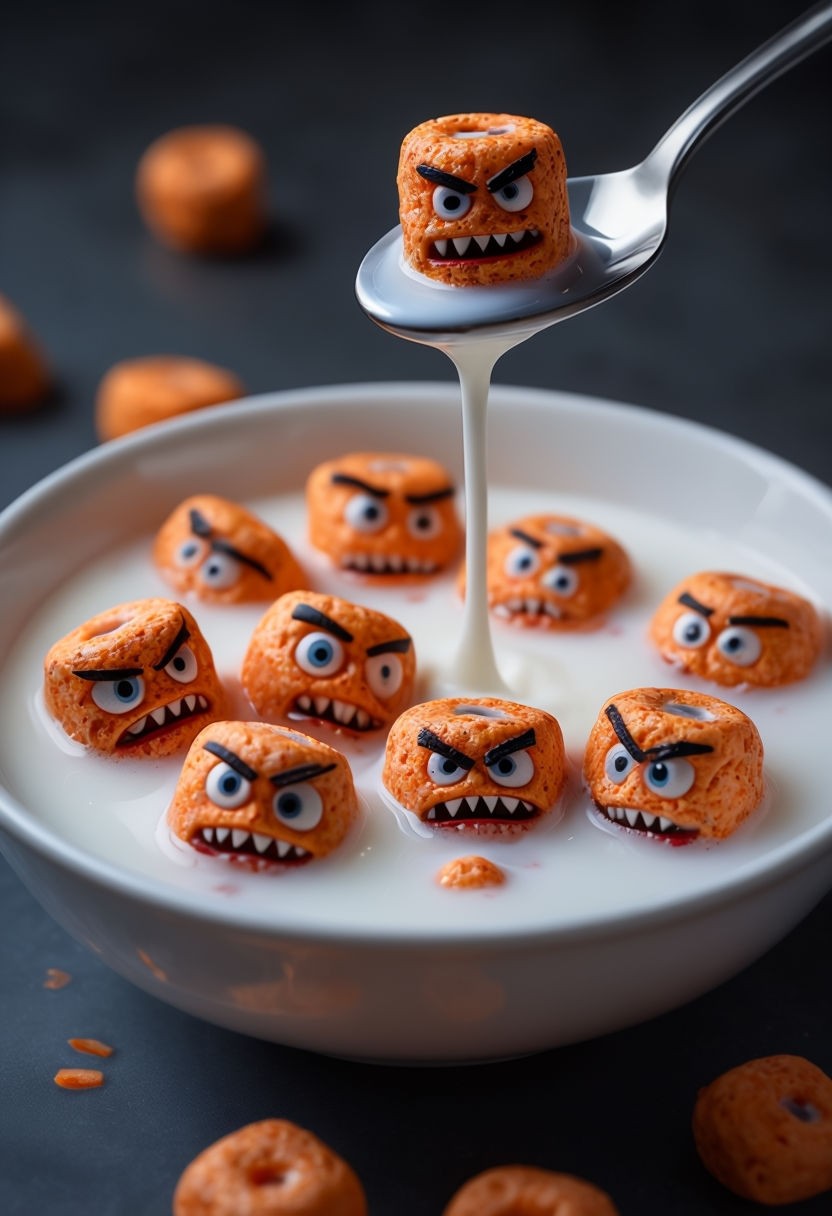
(471, 873)
(523, 1190)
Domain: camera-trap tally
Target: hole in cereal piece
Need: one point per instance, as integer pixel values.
(697, 712)
(802, 1110)
(505, 130)
(268, 1175)
(480, 711)
(561, 527)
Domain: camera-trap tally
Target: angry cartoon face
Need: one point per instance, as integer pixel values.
(488, 766)
(320, 657)
(736, 630)
(482, 199)
(553, 572)
(138, 680)
(386, 515)
(218, 551)
(262, 795)
(674, 765)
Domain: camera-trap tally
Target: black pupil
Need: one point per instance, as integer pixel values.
(448, 766)
(620, 764)
(562, 582)
(386, 672)
(290, 805)
(525, 562)
(371, 512)
(510, 191)
(452, 202)
(321, 653)
(230, 783)
(423, 522)
(125, 689)
(734, 643)
(693, 632)
(179, 663)
(505, 766)
(660, 771)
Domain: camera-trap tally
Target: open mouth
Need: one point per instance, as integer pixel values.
(339, 713)
(484, 247)
(165, 718)
(238, 842)
(528, 609)
(649, 824)
(387, 563)
(481, 810)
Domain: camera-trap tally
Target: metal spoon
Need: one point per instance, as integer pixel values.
(619, 221)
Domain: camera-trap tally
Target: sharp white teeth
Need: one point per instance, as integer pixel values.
(649, 819)
(321, 704)
(283, 847)
(175, 707)
(551, 610)
(501, 610)
(431, 813)
(238, 837)
(441, 248)
(414, 566)
(222, 834)
(208, 835)
(491, 803)
(632, 817)
(362, 718)
(395, 563)
(527, 806)
(482, 241)
(378, 562)
(261, 843)
(515, 604)
(665, 824)
(516, 237)
(461, 243)
(191, 703)
(533, 606)
(501, 238)
(453, 806)
(158, 715)
(534, 232)
(305, 703)
(201, 702)
(138, 727)
(342, 711)
(511, 804)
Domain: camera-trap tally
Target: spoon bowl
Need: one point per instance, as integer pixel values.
(619, 222)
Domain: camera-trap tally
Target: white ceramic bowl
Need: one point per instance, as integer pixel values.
(603, 930)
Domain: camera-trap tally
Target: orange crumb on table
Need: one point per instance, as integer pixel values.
(79, 1078)
(471, 872)
(91, 1047)
(55, 978)
(153, 388)
(24, 378)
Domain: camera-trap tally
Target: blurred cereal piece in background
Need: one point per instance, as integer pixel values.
(24, 379)
(138, 392)
(202, 189)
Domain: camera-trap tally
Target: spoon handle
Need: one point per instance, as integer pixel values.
(783, 51)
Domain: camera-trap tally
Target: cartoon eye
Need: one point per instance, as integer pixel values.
(226, 787)
(670, 778)
(319, 654)
(190, 552)
(299, 806)
(450, 204)
(118, 696)
(442, 770)
(563, 580)
(516, 195)
(691, 630)
(512, 770)
(221, 570)
(742, 646)
(183, 667)
(384, 674)
(521, 561)
(365, 513)
(424, 522)
(618, 764)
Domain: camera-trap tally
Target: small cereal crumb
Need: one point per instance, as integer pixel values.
(525, 1190)
(153, 388)
(24, 379)
(91, 1047)
(79, 1078)
(471, 872)
(55, 978)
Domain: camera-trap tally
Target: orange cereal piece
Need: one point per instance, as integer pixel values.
(202, 189)
(270, 1168)
(24, 379)
(138, 392)
(79, 1078)
(91, 1047)
(673, 764)
(524, 1190)
(136, 680)
(764, 1129)
(55, 978)
(482, 199)
(471, 873)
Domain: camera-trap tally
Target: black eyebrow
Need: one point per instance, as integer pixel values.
(313, 616)
(687, 599)
(426, 738)
(199, 524)
(224, 546)
(524, 536)
(232, 760)
(182, 636)
(774, 622)
(344, 479)
(664, 751)
(440, 178)
(114, 673)
(301, 772)
(518, 168)
(520, 743)
(431, 496)
(581, 555)
(395, 646)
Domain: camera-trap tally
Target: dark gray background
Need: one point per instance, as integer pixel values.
(729, 328)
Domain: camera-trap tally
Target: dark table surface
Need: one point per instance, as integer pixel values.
(730, 328)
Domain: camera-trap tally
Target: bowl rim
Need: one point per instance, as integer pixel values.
(17, 823)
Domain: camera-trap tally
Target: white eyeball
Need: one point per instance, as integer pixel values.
(691, 630)
(226, 787)
(563, 580)
(669, 778)
(299, 806)
(513, 770)
(522, 562)
(221, 570)
(319, 654)
(384, 674)
(444, 771)
(118, 696)
(740, 645)
(424, 522)
(366, 513)
(618, 764)
(190, 553)
(183, 667)
(450, 204)
(516, 195)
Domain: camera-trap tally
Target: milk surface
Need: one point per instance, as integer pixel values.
(566, 871)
